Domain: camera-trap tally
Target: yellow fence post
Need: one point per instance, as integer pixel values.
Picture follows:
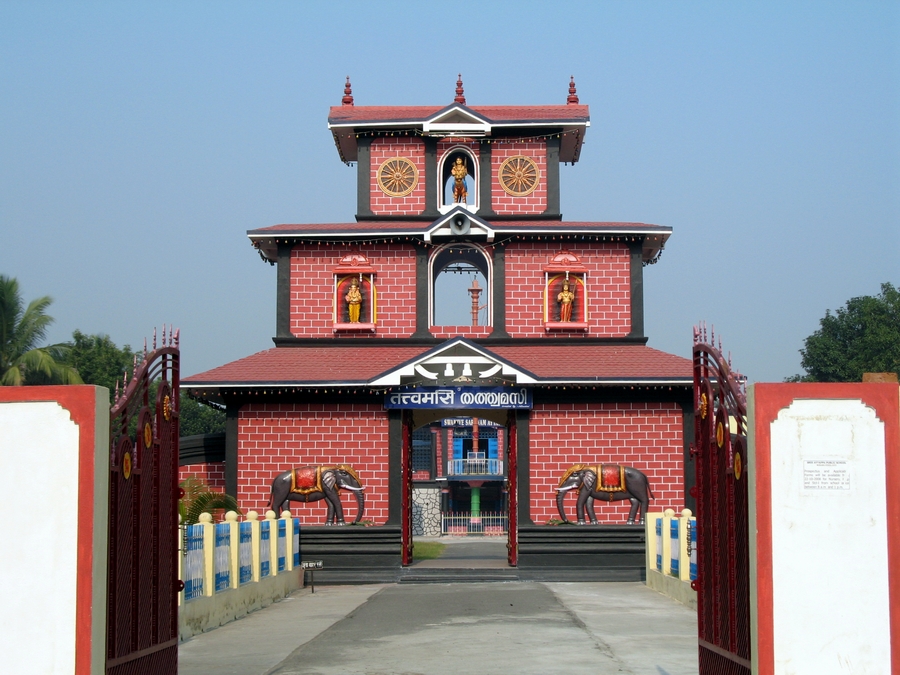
(209, 554)
(272, 517)
(667, 541)
(650, 537)
(253, 517)
(234, 535)
(288, 540)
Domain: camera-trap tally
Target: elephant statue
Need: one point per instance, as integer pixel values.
(312, 483)
(607, 482)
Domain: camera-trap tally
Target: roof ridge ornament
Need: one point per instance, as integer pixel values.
(460, 94)
(348, 94)
(573, 97)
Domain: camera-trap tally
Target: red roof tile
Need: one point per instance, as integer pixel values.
(499, 114)
(388, 227)
(358, 365)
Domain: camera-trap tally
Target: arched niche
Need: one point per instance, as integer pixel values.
(451, 272)
(354, 285)
(447, 181)
(566, 303)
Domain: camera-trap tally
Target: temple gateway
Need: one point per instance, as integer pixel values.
(460, 347)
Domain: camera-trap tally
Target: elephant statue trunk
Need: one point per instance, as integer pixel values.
(560, 498)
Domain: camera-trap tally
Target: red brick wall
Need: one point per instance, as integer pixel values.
(276, 437)
(447, 332)
(506, 204)
(312, 288)
(212, 474)
(608, 283)
(383, 149)
(646, 436)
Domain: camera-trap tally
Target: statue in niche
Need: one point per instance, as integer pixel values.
(354, 300)
(459, 174)
(566, 300)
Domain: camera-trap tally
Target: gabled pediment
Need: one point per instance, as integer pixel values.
(457, 120)
(459, 222)
(457, 362)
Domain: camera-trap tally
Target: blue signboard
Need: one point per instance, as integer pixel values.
(480, 398)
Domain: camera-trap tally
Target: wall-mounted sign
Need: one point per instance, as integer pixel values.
(826, 474)
(491, 398)
(466, 422)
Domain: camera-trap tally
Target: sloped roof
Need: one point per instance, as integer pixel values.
(265, 239)
(356, 365)
(357, 116)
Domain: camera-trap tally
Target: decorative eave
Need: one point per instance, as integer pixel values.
(490, 124)
(497, 232)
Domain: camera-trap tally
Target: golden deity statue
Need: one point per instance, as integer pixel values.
(354, 300)
(459, 174)
(566, 299)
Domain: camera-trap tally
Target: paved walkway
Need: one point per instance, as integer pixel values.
(515, 628)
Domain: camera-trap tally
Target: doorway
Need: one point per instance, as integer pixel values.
(458, 486)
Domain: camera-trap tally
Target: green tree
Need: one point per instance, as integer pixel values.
(99, 361)
(22, 329)
(862, 337)
(199, 418)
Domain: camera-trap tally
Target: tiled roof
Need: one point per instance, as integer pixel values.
(356, 365)
(499, 114)
(382, 227)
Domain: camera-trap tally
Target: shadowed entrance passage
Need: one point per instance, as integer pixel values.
(467, 552)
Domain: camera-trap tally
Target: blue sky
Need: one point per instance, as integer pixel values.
(140, 141)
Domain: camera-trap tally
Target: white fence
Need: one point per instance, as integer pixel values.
(672, 544)
(230, 554)
(486, 523)
(475, 467)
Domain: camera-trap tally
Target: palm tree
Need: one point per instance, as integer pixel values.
(22, 361)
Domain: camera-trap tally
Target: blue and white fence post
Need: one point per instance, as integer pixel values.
(692, 548)
(684, 568)
(245, 553)
(295, 524)
(265, 548)
(192, 565)
(281, 565)
(222, 556)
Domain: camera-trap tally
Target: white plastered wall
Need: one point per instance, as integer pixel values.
(829, 539)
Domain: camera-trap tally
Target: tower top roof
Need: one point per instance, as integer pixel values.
(348, 122)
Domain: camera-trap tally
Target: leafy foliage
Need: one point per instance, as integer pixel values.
(99, 361)
(862, 337)
(200, 418)
(198, 498)
(22, 329)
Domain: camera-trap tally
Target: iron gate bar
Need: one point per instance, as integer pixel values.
(142, 605)
(723, 566)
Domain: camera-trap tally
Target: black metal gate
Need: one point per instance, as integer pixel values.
(723, 560)
(142, 604)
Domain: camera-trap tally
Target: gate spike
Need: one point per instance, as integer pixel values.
(145, 347)
(177, 333)
(154, 339)
(117, 390)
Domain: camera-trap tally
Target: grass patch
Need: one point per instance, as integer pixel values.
(427, 550)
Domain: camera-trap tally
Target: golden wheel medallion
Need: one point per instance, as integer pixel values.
(519, 176)
(148, 435)
(397, 177)
(738, 466)
(704, 405)
(720, 435)
(126, 465)
(167, 408)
